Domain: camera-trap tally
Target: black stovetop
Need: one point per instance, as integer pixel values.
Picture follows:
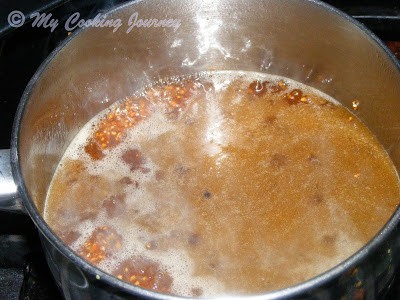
(23, 270)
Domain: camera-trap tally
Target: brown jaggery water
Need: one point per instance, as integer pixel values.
(222, 183)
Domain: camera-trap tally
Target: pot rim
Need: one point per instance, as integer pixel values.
(98, 274)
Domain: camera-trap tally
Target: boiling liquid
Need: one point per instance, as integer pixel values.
(225, 183)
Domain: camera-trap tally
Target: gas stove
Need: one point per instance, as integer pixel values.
(23, 271)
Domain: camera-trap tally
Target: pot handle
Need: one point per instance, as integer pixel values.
(9, 198)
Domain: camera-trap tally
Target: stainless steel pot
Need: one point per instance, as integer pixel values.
(308, 41)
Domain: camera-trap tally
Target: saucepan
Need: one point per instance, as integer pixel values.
(308, 41)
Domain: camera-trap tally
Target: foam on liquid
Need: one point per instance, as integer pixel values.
(278, 211)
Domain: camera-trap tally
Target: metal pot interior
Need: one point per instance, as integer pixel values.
(302, 40)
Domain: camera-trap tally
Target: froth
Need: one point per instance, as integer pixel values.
(168, 216)
(175, 261)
